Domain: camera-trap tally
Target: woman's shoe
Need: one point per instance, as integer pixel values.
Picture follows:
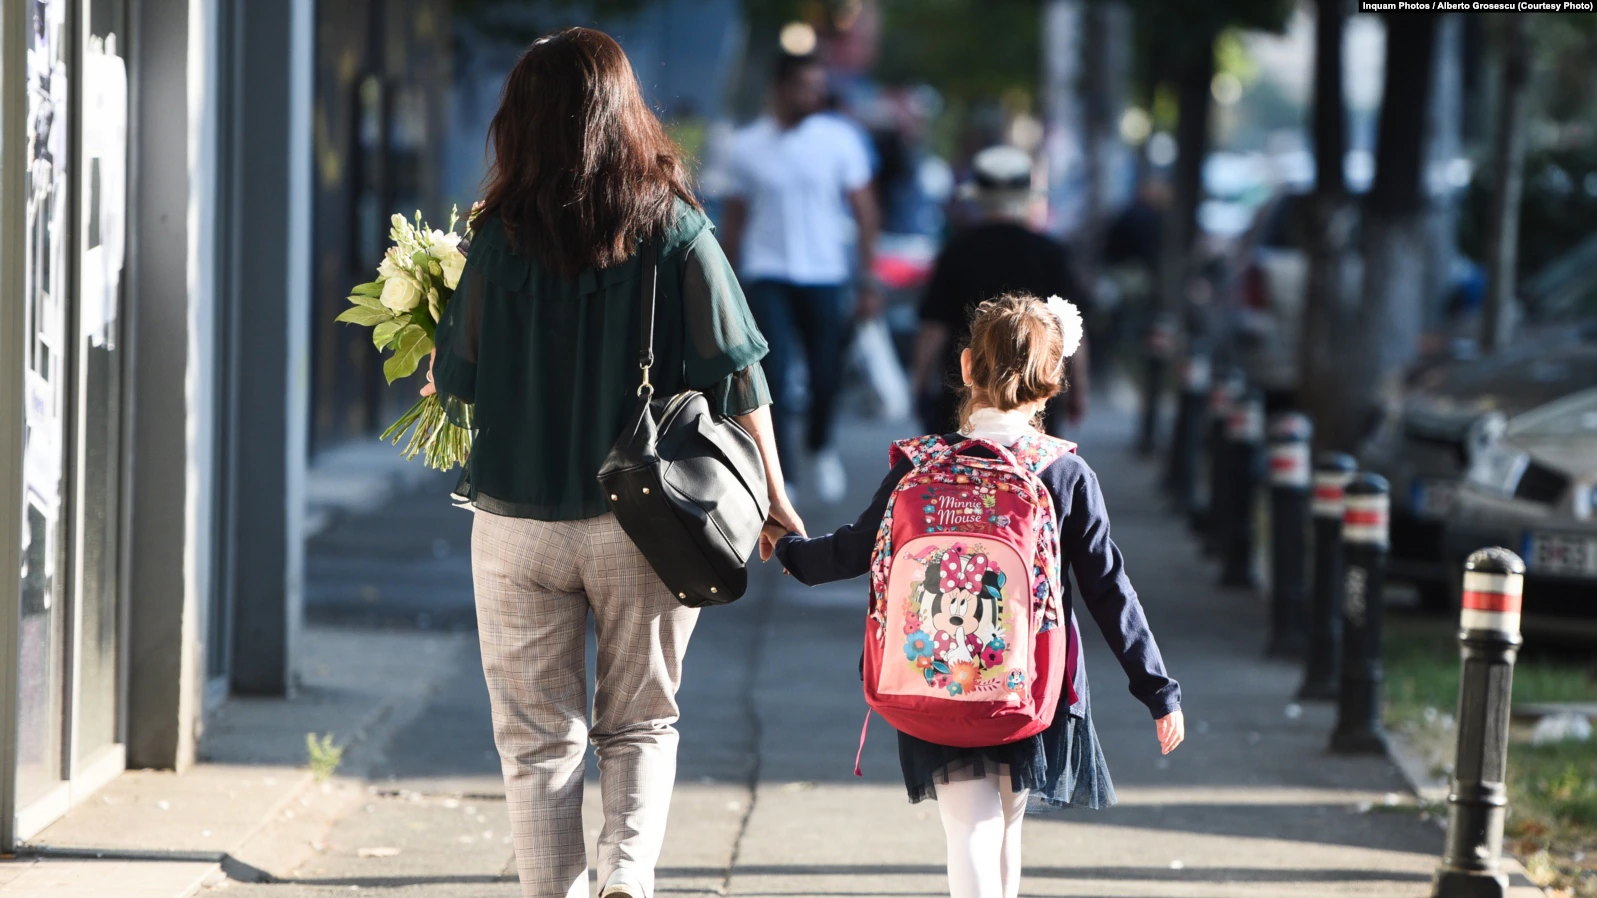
(622, 885)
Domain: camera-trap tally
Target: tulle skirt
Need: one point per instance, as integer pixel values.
(1063, 767)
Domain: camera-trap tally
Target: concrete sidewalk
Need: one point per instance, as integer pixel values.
(766, 802)
(1251, 805)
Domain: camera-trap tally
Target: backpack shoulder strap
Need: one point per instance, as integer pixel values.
(1040, 451)
(918, 450)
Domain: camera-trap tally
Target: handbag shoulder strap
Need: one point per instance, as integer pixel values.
(648, 277)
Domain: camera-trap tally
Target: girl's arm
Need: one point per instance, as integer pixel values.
(1105, 588)
(845, 553)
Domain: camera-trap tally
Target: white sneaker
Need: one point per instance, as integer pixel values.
(622, 885)
(831, 481)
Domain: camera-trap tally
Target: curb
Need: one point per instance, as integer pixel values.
(1416, 773)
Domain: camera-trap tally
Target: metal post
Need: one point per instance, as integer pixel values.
(1160, 343)
(1181, 475)
(1244, 441)
(1489, 641)
(1364, 541)
(1225, 393)
(1290, 433)
(1321, 674)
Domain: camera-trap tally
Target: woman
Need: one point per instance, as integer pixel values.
(543, 339)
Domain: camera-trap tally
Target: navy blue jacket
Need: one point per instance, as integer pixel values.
(1083, 526)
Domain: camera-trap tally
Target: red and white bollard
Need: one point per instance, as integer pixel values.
(1477, 803)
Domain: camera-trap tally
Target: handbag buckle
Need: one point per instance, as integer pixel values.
(645, 387)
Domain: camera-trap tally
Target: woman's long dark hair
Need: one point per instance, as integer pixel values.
(582, 169)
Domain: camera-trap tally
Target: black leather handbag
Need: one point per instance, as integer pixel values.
(686, 485)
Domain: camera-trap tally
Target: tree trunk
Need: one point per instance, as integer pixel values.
(1192, 140)
(1327, 313)
(1508, 181)
(1392, 308)
(1193, 76)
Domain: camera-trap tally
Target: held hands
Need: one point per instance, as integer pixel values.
(1171, 730)
(784, 519)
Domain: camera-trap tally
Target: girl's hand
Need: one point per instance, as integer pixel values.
(1171, 729)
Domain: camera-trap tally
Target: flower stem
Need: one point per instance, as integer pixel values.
(442, 443)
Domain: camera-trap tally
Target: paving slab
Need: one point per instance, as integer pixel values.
(34, 878)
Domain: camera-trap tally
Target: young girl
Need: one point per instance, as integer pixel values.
(1013, 366)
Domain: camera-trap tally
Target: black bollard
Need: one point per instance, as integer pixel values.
(1321, 673)
(1489, 642)
(1182, 472)
(1227, 389)
(1244, 443)
(1290, 433)
(1364, 546)
(1160, 344)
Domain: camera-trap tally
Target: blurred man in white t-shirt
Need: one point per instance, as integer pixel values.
(796, 177)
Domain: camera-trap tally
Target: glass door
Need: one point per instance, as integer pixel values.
(94, 727)
(70, 691)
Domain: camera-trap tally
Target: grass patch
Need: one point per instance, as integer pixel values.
(1552, 789)
(324, 756)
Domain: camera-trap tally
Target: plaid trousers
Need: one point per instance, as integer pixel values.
(536, 583)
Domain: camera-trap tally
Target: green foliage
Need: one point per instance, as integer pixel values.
(411, 345)
(1558, 209)
(1171, 33)
(324, 756)
(365, 316)
(970, 52)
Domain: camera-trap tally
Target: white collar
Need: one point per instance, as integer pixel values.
(1003, 428)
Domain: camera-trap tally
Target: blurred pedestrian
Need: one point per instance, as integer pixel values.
(1002, 253)
(543, 338)
(1131, 262)
(952, 617)
(796, 175)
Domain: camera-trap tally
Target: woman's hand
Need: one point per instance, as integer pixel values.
(783, 519)
(1171, 729)
(429, 388)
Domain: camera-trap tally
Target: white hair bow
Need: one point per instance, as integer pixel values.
(1069, 322)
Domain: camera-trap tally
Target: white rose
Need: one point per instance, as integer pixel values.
(400, 294)
(454, 264)
(393, 264)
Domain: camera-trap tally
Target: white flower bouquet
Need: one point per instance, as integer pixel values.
(415, 282)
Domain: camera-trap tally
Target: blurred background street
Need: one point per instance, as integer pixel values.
(241, 652)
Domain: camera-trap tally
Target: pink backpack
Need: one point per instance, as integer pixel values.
(964, 645)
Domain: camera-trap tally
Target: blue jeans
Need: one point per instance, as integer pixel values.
(812, 319)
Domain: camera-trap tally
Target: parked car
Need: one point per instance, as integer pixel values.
(1532, 487)
(1271, 292)
(1425, 447)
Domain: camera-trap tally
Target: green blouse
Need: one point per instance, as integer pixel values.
(550, 363)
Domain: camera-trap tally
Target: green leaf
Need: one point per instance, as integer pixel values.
(384, 333)
(373, 288)
(422, 317)
(410, 347)
(365, 316)
(370, 302)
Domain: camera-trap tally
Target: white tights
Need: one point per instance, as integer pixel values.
(982, 819)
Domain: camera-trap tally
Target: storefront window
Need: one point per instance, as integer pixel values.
(45, 372)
